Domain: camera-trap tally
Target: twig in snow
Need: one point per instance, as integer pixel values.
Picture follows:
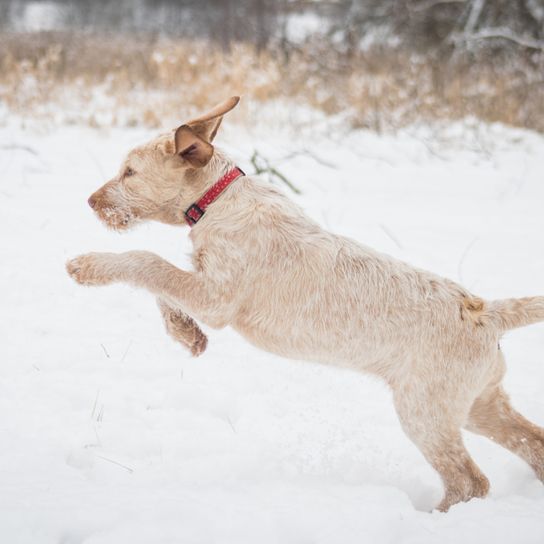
(279, 175)
(20, 147)
(462, 259)
(309, 154)
(95, 403)
(105, 350)
(126, 351)
(128, 469)
(263, 166)
(100, 416)
(231, 425)
(392, 236)
(98, 441)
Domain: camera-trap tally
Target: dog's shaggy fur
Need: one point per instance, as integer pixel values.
(294, 289)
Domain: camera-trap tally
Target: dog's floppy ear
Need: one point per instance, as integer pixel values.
(207, 125)
(191, 147)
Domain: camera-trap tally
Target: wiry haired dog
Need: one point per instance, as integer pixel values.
(294, 289)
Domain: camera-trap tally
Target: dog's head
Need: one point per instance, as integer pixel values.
(163, 176)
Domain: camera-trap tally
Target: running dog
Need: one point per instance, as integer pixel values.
(290, 287)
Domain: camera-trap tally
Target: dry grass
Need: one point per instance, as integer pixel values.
(141, 81)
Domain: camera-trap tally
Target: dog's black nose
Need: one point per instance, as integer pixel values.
(92, 201)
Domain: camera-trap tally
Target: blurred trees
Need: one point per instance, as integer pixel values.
(443, 24)
(424, 25)
(222, 21)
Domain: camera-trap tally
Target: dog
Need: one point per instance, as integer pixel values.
(291, 288)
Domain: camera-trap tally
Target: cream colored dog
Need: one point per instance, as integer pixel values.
(294, 289)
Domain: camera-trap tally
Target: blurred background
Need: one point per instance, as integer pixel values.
(382, 64)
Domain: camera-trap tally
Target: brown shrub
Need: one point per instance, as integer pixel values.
(141, 80)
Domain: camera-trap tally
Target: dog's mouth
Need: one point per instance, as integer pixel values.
(118, 219)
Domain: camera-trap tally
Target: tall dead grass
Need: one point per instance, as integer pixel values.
(121, 80)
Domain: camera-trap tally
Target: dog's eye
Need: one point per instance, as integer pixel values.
(129, 172)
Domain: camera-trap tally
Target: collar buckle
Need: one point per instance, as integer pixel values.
(193, 214)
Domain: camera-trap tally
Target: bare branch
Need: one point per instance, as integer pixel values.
(429, 4)
(463, 257)
(262, 166)
(20, 147)
(474, 15)
(505, 34)
(128, 469)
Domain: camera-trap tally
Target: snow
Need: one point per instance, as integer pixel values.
(301, 26)
(111, 433)
(41, 16)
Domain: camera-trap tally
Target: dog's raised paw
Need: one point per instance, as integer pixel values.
(89, 269)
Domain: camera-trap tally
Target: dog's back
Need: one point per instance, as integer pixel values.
(309, 294)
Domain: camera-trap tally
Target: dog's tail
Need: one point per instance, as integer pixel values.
(511, 313)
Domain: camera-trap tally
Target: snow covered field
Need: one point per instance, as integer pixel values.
(111, 434)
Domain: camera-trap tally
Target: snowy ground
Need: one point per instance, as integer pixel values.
(111, 434)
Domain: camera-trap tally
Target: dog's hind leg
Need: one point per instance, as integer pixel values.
(183, 328)
(492, 416)
(434, 427)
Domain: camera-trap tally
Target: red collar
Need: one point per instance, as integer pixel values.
(195, 211)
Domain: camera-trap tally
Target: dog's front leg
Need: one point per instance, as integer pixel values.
(192, 292)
